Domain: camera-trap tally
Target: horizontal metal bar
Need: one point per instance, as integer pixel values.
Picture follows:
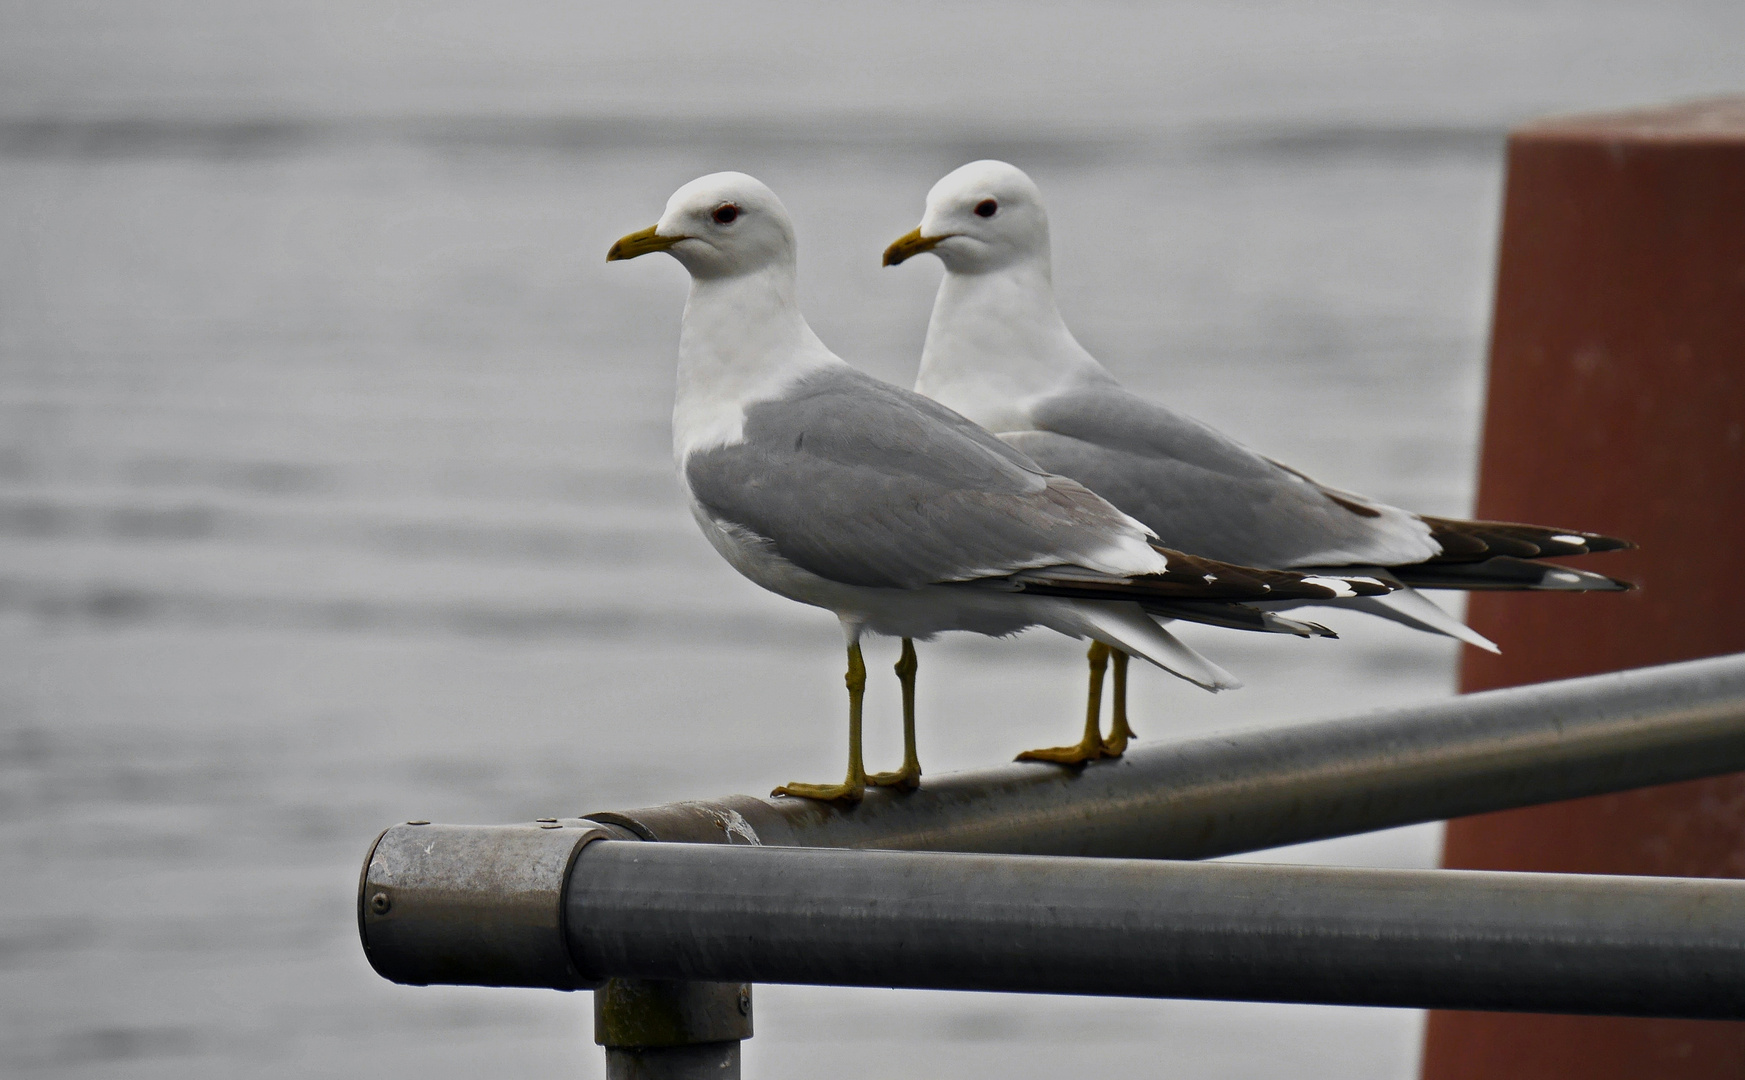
(1151, 928)
(1262, 789)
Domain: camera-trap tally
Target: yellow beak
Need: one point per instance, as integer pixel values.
(640, 243)
(908, 245)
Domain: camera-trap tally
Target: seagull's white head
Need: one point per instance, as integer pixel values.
(984, 216)
(721, 225)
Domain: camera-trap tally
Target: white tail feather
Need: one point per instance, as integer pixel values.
(1411, 607)
(1126, 627)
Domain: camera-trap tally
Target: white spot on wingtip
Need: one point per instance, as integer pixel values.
(1563, 577)
(1338, 586)
(1209, 578)
(1565, 538)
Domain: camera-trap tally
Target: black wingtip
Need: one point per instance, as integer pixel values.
(1507, 573)
(1597, 544)
(1475, 541)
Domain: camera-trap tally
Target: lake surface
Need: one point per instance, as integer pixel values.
(336, 488)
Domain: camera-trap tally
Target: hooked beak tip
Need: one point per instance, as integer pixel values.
(909, 245)
(642, 242)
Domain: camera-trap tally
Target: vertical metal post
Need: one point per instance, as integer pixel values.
(669, 1030)
(660, 1030)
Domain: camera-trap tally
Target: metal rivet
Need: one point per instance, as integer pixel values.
(744, 1001)
(380, 903)
(552, 825)
(418, 823)
(545, 819)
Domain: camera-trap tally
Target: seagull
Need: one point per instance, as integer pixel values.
(998, 352)
(832, 488)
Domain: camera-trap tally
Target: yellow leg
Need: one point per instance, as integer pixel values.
(907, 778)
(1090, 747)
(852, 788)
(1119, 733)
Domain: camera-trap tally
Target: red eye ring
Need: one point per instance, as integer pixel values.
(987, 208)
(725, 214)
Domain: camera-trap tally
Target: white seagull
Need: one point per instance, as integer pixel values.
(835, 489)
(999, 353)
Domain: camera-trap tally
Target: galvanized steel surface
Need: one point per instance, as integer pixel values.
(655, 1013)
(704, 1061)
(480, 905)
(488, 905)
(1152, 928)
(1256, 790)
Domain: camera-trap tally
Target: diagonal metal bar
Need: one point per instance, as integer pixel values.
(1254, 790)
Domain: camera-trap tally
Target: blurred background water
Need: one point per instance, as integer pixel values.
(335, 482)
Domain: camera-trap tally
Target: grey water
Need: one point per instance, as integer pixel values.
(335, 479)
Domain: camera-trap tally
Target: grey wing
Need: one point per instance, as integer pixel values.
(1204, 493)
(868, 484)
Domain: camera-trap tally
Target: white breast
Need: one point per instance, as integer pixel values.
(995, 343)
(743, 341)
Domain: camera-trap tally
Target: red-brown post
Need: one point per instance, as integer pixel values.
(1617, 404)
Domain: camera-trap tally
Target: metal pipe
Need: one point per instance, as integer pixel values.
(1260, 789)
(1152, 928)
(656, 1029)
(483, 905)
(480, 905)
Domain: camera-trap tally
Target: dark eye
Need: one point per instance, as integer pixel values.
(725, 213)
(987, 208)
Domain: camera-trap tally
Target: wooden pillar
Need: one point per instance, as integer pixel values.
(1617, 404)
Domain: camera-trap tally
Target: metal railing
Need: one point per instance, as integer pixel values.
(1263, 789)
(991, 885)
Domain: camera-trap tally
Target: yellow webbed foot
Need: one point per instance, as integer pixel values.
(908, 778)
(1091, 746)
(853, 786)
(1077, 754)
(843, 793)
